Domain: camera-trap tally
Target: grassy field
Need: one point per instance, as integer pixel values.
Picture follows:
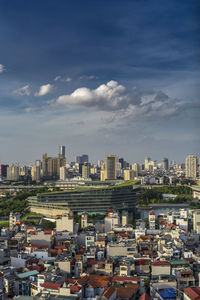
(30, 215)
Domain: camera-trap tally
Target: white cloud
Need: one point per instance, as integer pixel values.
(123, 102)
(106, 97)
(68, 79)
(44, 90)
(24, 91)
(2, 68)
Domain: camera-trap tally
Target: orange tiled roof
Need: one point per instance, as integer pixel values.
(125, 292)
(51, 285)
(193, 292)
(109, 292)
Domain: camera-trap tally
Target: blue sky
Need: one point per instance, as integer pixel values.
(100, 77)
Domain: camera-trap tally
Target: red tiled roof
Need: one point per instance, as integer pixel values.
(95, 262)
(193, 292)
(160, 263)
(109, 292)
(124, 292)
(33, 261)
(75, 288)
(83, 280)
(145, 296)
(142, 262)
(125, 279)
(51, 285)
(37, 268)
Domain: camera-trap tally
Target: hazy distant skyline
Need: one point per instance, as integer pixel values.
(100, 77)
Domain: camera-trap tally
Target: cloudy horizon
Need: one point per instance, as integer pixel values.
(111, 77)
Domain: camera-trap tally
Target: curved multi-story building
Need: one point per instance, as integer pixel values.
(88, 199)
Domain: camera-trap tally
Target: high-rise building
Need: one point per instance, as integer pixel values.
(62, 150)
(51, 166)
(13, 173)
(82, 159)
(191, 166)
(36, 172)
(111, 172)
(135, 167)
(86, 171)
(129, 174)
(165, 163)
(146, 162)
(3, 171)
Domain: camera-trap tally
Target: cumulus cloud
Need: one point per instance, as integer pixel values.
(24, 91)
(44, 90)
(2, 68)
(127, 103)
(110, 96)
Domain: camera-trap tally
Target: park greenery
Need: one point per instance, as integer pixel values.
(18, 203)
(155, 195)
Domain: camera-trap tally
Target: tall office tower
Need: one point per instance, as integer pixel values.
(63, 173)
(146, 162)
(111, 172)
(38, 163)
(86, 171)
(85, 158)
(82, 159)
(36, 171)
(23, 171)
(129, 174)
(3, 170)
(13, 173)
(165, 163)
(51, 166)
(62, 150)
(135, 167)
(191, 166)
(124, 163)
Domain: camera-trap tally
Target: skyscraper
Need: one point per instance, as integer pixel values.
(82, 159)
(62, 151)
(165, 163)
(111, 172)
(191, 166)
(146, 162)
(51, 166)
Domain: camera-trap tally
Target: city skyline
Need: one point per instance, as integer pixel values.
(107, 77)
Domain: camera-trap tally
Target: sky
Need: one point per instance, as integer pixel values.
(100, 77)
